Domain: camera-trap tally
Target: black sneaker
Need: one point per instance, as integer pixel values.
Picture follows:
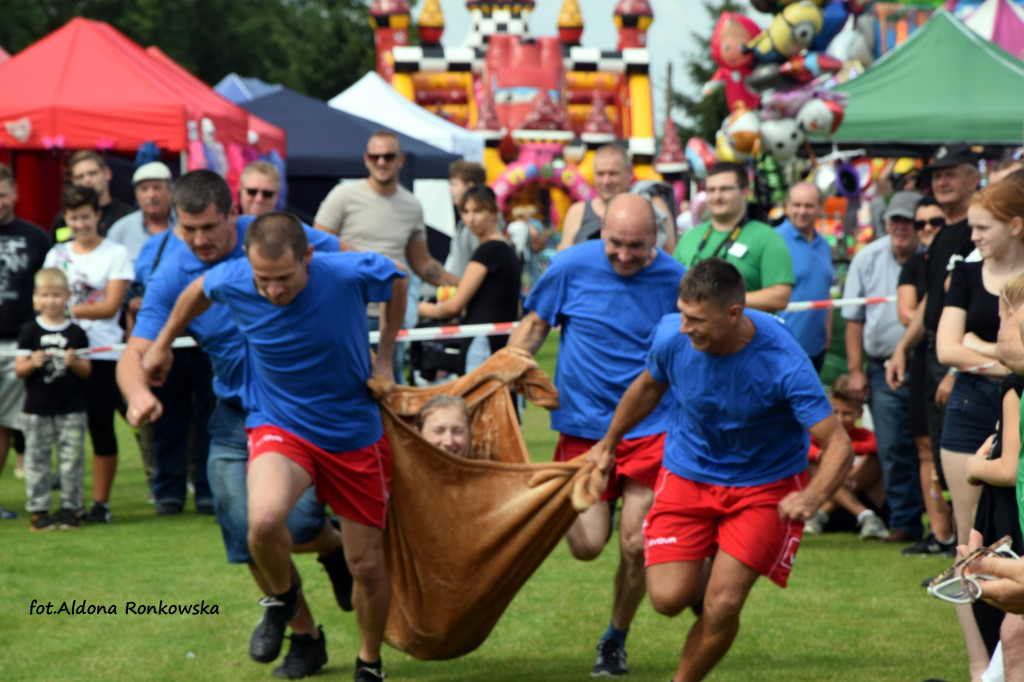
(42, 521)
(68, 519)
(168, 508)
(368, 674)
(341, 578)
(100, 513)
(265, 644)
(305, 656)
(931, 546)
(611, 660)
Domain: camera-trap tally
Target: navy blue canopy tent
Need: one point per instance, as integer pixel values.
(325, 144)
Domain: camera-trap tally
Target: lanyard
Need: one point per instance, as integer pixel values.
(725, 245)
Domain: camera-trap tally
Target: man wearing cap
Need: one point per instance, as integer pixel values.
(152, 182)
(88, 169)
(954, 177)
(872, 332)
(812, 270)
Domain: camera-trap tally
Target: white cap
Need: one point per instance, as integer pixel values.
(154, 170)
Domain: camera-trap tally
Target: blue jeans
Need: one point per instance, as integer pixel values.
(229, 454)
(187, 398)
(896, 452)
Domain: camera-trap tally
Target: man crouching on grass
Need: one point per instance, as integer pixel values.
(733, 484)
(311, 419)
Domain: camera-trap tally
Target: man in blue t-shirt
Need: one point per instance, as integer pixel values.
(734, 483)
(607, 295)
(208, 233)
(311, 419)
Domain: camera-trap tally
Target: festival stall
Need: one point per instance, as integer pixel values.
(944, 84)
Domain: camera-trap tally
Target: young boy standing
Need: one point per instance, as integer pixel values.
(55, 402)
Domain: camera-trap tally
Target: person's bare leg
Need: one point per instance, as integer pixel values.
(103, 469)
(328, 540)
(303, 622)
(1011, 634)
(715, 630)
(965, 501)
(274, 483)
(589, 532)
(371, 592)
(848, 501)
(630, 581)
(935, 505)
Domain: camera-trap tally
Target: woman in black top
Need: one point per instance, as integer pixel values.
(489, 288)
(966, 340)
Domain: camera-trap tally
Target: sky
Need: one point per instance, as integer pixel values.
(668, 39)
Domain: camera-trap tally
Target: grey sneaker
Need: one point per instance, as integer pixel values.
(611, 660)
(873, 527)
(816, 524)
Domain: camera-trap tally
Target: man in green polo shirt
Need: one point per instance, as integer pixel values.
(757, 251)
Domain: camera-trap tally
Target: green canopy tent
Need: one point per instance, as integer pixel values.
(944, 84)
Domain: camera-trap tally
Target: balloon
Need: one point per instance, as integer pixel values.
(764, 77)
(833, 19)
(825, 180)
(805, 68)
(741, 129)
(781, 139)
(820, 117)
(701, 156)
(792, 29)
(728, 41)
(847, 181)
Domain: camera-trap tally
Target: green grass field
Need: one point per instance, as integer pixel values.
(853, 611)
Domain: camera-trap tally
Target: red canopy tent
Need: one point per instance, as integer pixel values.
(87, 86)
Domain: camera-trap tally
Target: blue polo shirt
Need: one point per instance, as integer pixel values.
(812, 270)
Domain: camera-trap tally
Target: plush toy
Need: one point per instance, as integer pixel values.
(728, 41)
(792, 30)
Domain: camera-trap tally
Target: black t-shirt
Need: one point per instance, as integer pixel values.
(109, 215)
(915, 272)
(53, 388)
(23, 248)
(953, 242)
(497, 300)
(967, 291)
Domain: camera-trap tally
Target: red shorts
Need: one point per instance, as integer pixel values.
(689, 520)
(636, 458)
(355, 484)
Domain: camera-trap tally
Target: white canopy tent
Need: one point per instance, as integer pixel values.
(372, 98)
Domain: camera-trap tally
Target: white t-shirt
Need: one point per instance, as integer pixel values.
(88, 275)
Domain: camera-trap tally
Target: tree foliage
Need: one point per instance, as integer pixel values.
(318, 47)
(705, 114)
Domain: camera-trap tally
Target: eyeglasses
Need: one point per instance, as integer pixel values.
(937, 222)
(388, 157)
(265, 193)
(957, 586)
(722, 190)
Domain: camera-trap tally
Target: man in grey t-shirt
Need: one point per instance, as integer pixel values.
(379, 215)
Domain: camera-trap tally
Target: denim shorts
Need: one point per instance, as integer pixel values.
(226, 466)
(974, 408)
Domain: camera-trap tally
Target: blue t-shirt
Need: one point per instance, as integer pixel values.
(213, 330)
(812, 271)
(742, 418)
(307, 362)
(606, 324)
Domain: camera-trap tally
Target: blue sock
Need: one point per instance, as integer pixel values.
(615, 635)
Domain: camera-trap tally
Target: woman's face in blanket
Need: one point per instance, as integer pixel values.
(448, 429)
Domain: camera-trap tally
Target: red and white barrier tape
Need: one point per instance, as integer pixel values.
(180, 342)
(464, 331)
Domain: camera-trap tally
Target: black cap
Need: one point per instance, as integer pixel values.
(949, 155)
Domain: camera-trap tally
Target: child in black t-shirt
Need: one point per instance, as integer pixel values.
(55, 402)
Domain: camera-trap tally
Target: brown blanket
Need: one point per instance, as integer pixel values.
(463, 535)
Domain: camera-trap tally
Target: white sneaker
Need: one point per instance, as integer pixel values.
(816, 524)
(873, 527)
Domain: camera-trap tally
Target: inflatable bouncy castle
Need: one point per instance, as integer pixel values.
(503, 82)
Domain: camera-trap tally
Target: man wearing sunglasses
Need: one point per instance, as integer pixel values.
(259, 188)
(379, 215)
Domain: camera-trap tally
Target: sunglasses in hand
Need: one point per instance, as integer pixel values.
(958, 585)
